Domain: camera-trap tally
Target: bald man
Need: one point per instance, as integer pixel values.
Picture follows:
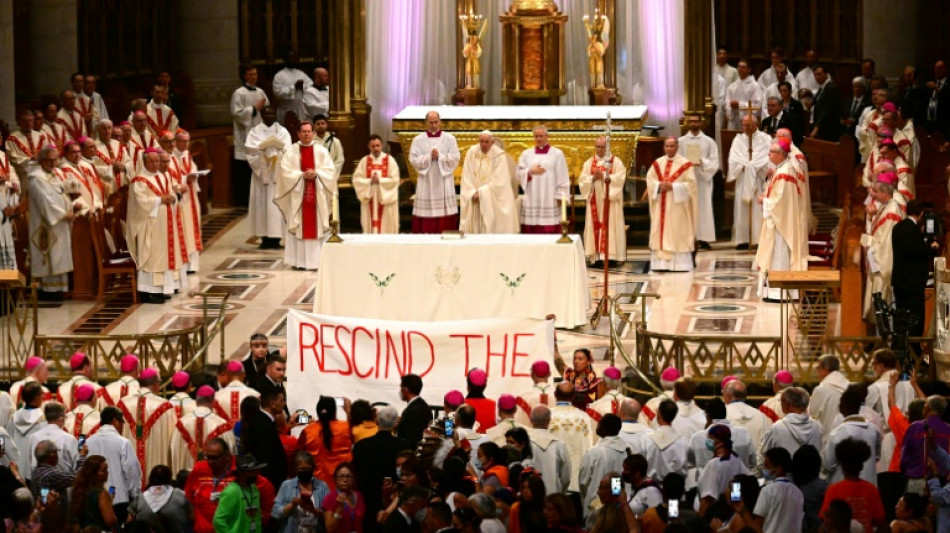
(488, 203)
(316, 99)
(671, 184)
(599, 241)
(748, 169)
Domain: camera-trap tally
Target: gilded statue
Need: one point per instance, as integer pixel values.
(474, 27)
(598, 38)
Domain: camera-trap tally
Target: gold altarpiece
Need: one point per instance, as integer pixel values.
(533, 33)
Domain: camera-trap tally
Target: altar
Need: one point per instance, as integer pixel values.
(426, 278)
(573, 129)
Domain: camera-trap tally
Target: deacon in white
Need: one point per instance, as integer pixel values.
(743, 96)
(606, 456)
(265, 145)
(65, 444)
(632, 431)
(247, 101)
(689, 417)
(125, 472)
(796, 429)
(290, 83)
(51, 255)
(27, 421)
(434, 154)
(542, 173)
(703, 153)
(306, 174)
(549, 454)
(884, 365)
(664, 448)
(153, 238)
(781, 74)
(376, 183)
(748, 168)
(316, 99)
(671, 185)
(598, 230)
(488, 204)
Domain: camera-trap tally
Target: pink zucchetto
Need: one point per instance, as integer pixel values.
(32, 363)
(180, 379)
(784, 144)
(888, 106)
(453, 398)
(77, 360)
(85, 392)
(784, 376)
(149, 373)
(129, 363)
(725, 381)
(506, 402)
(205, 391)
(541, 369)
(669, 374)
(235, 367)
(478, 377)
(889, 178)
(612, 372)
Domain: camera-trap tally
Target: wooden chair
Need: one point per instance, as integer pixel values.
(116, 268)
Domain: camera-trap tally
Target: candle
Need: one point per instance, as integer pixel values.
(336, 207)
(563, 208)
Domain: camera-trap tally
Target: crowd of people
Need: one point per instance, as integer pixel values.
(226, 453)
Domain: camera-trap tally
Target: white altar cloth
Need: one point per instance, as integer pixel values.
(422, 277)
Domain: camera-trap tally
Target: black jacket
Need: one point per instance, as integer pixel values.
(396, 523)
(827, 113)
(912, 258)
(772, 124)
(374, 459)
(415, 418)
(263, 442)
(849, 111)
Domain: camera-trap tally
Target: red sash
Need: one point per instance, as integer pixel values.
(309, 205)
(77, 427)
(162, 123)
(782, 177)
(29, 150)
(5, 166)
(74, 128)
(171, 219)
(767, 411)
(667, 178)
(196, 444)
(648, 413)
(85, 104)
(600, 236)
(183, 171)
(376, 217)
(58, 140)
(880, 222)
(143, 428)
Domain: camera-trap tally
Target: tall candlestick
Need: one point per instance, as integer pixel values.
(563, 208)
(336, 207)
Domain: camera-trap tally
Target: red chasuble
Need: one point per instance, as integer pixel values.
(309, 206)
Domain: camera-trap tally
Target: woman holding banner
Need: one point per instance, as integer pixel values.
(587, 385)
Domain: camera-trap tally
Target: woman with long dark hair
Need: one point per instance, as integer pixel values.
(328, 441)
(249, 407)
(90, 503)
(527, 514)
(587, 386)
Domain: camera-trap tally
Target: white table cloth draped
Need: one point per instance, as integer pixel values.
(422, 277)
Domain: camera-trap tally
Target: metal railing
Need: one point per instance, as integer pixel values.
(18, 327)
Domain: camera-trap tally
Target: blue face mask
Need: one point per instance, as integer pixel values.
(710, 444)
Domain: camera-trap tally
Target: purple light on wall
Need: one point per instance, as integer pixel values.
(661, 39)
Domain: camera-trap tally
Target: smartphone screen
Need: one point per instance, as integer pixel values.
(112, 491)
(929, 225)
(449, 428)
(304, 419)
(736, 493)
(615, 485)
(82, 441)
(674, 508)
(44, 492)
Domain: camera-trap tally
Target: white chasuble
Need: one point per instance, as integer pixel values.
(303, 203)
(598, 230)
(51, 253)
(672, 213)
(379, 202)
(880, 253)
(783, 241)
(244, 115)
(487, 175)
(149, 422)
(192, 432)
(154, 234)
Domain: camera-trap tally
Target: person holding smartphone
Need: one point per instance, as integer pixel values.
(47, 474)
(780, 507)
(614, 515)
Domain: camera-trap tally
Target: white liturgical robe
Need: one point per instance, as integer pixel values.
(183, 404)
(51, 254)
(67, 390)
(149, 422)
(577, 431)
(435, 188)
(539, 206)
(672, 214)
(783, 240)
(189, 206)
(155, 234)
(880, 253)
(825, 397)
(665, 451)
(245, 116)
(265, 146)
(487, 175)
(551, 458)
(305, 235)
(83, 420)
(108, 154)
(379, 202)
(741, 414)
(539, 394)
(73, 123)
(749, 173)
(192, 432)
(118, 389)
(22, 149)
(160, 118)
(595, 246)
(227, 401)
(744, 92)
(55, 133)
(703, 153)
(288, 97)
(316, 101)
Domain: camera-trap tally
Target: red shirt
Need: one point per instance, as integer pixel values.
(863, 497)
(202, 483)
(484, 412)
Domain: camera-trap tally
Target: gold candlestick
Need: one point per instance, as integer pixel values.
(335, 231)
(564, 238)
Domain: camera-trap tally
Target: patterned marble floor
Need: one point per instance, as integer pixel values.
(718, 298)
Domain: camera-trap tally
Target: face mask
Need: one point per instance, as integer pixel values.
(304, 476)
(710, 444)
(420, 516)
(768, 475)
(398, 472)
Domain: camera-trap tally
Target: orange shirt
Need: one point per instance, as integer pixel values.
(484, 412)
(863, 497)
(326, 461)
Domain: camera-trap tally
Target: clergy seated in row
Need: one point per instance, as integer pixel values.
(23, 146)
(884, 212)
(743, 96)
(434, 154)
(703, 153)
(783, 242)
(306, 174)
(376, 183)
(488, 202)
(265, 146)
(748, 166)
(542, 174)
(154, 238)
(605, 234)
(50, 214)
(9, 201)
(671, 186)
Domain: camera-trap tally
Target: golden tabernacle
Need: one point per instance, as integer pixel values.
(533, 52)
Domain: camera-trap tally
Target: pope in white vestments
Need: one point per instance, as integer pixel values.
(542, 173)
(306, 173)
(149, 422)
(671, 185)
(488, 204)
(605, 239)
(376, 183)
(742, 93)
(783, 241)
(289, 85)
(50, 214)
(434, 154)
(703, 153)
(265, 145)
(748, 169)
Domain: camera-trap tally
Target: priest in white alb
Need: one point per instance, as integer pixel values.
(323, 136)
(703, 153)
(885, 212)
(605, 234)
(23, 146)
(195, 429)
(783, 244)
(743, 95)
(247, 101)
(306, 174)
(671, 186)
(154, 232)
(265, 146)
(160, 117)
(542, 173)
(376, 183)
(748, 168)
(434, 154)
(51, 211)
(488, 204)
(149, 422)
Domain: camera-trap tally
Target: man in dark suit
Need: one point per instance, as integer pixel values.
(912, 102)
(912, 259)
(273, 377)
(793, 112)
(438, 518)
(776, 119)
(375, 460)
(412, 501)
(937, 106)
(262, 440)
(256, 361)
(827, 123)
(860, 99)
(417, 415)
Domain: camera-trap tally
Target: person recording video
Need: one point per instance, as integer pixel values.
(913, 253)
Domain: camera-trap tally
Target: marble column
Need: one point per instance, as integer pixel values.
(358, 104)
(208, 49)
(53, 38)
(342, 15)
(886, 39)
(698, 57)
(7, 65)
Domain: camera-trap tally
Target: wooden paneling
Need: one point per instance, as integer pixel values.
(271, 28)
